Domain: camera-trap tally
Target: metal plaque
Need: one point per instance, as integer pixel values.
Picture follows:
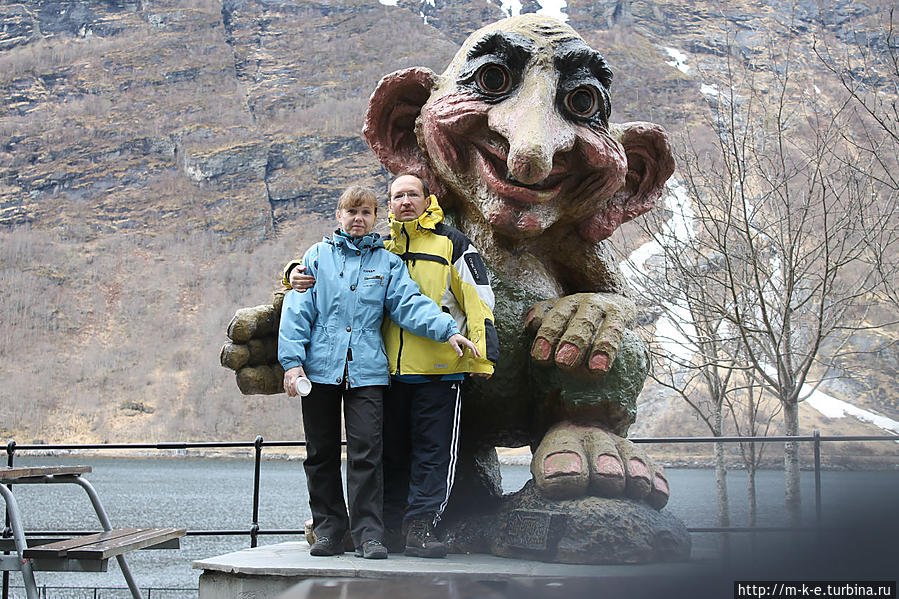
(529, 529)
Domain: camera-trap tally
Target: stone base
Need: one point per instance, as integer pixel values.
(223, 585)
(268, 571)
(591, 530)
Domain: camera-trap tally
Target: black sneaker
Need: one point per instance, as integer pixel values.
(395, 540)
(421, 540)
(326, 546)
(372, 549)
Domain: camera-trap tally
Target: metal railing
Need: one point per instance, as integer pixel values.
(258, 444)
(816, 438)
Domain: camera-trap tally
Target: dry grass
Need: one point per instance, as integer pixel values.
(88, 326)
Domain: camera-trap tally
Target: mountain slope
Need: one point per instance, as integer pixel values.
(160, 160)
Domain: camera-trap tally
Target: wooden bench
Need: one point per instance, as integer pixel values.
(91, 553)
(88, 553)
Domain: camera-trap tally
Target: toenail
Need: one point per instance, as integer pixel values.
(638, 469)
(529, 318)
(661, 484)
(562, 463)
(609, 466)
(599, 361)
(542, 349)
(567, 354)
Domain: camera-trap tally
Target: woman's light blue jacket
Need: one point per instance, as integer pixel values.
(335, 327)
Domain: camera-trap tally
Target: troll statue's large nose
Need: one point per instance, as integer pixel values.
(531, 123)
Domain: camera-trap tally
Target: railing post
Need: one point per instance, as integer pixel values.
(254, 529)
(7, 531)
(817, 445)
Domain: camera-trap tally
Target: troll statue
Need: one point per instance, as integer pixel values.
(514, 138)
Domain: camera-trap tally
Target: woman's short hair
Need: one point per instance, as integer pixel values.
(357, 195)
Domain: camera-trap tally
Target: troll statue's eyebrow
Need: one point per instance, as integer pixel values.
(572, 55)
(512, 46)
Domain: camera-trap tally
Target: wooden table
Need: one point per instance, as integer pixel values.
(89, 553)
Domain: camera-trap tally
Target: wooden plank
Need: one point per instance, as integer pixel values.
(10, 543)
(108, 548)
(60, 548)
(10, 475)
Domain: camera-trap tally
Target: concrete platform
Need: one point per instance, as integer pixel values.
(268, 572)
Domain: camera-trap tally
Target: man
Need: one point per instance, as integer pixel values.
(422, 405)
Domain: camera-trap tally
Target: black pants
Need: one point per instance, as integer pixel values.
(421, 441)
(321, 421)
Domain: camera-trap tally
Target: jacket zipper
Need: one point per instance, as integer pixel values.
(399, 354)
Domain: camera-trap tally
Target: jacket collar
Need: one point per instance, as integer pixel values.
(340, 240)
(428, 220)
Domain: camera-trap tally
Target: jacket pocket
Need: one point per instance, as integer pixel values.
(372, 290)
(318, 352)
(369, 355)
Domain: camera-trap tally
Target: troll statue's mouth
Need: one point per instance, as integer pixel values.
(491, 162)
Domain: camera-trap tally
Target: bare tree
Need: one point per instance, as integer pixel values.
(697, 353)
(787, 228)
(868, 73)
(672, 275)
(751, 417)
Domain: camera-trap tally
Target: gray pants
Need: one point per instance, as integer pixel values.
(362, 414)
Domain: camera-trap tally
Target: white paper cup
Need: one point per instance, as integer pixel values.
(303, 386)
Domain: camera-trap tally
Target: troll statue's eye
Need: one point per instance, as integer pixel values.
(582, 101)
(493, 79)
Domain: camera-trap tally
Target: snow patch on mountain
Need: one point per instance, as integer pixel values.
(832, 407)
(678, 60)
(511, 7)
(554, 8)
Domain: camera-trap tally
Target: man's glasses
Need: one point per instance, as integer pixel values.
(412, 195)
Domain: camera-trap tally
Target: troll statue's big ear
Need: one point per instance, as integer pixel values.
(390, 120)
(649, 164)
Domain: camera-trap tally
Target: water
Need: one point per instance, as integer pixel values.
(216, 494)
